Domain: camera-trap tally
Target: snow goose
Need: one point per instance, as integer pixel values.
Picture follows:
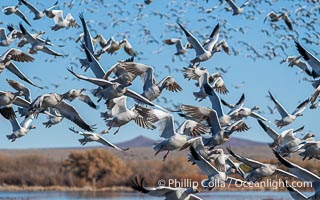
(216, 105)
(63, 22)
(42, 102)
(181, 49)
(314, 98)
(218, 134)
(224, 45)
(109, 90)
(167, 192)
(295, 194)
(311, 150)
(19, 56)
(113, 46)
(286, 117)
(54, 117)
(151, 89)
(296, 61)
(119, 115)
(235, 8)
(37, 45)
(243, 112)
(6, 101)
(37, 13)
(6, 40)
(259, 170)
(14, 10)
(284, 143)
(101, 40)
(303, 175)
(311, 59)
(19, 130)
(173, 139)
(274, 17)
(214, 175)
(122, 75)
(78, 94)
(195, 72)
(203, 53)
(95, 137)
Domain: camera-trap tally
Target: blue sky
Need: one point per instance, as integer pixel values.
(259, 76)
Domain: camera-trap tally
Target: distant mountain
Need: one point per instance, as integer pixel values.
(142, 141)
(238, 142)
(139, 141)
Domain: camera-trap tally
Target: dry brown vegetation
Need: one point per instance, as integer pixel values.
(99, 168)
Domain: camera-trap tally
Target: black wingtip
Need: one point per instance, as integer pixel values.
(215, 30)
(263, 126)
(194, 153)
(184, 30)
(231, 152)
(10, 27)
(138, 186)
(282, 160)
(23, 30)
(208, 89)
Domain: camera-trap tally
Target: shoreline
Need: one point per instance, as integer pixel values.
(117, 189)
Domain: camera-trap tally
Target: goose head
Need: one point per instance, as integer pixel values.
(255, 108)
(32, 127)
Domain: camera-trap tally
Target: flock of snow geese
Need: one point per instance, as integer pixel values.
(204, 128)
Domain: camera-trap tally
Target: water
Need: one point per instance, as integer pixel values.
(247, 195)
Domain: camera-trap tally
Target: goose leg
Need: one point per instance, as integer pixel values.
(165, 156)
(116, 131)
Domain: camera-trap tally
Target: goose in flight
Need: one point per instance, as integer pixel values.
(181, 49)
(6, 40)
(19, 130)
(63, 22)
(314, 98)
(215, 80)
(235, 8)
(303, 175)
(173, 139)
(109, 90)
(286, 117)
(311, 149)
(274, 17)
(203, 82)
(42, 102)
(200, 113)
(166, 192)
(205, 52)
(313, 62)
(19, 56)
(118, 115)
(243, 112)
(285, 142)
(151, 89)
(37, 13)
(14, 10)
(54, 117)
(6, 101)
(259, 170)
(113, 46)
(37, 45)
(119, 70)
(218, 135)
(214, 175)
(95, 137)
(78, 94)
(221, 161)
(296, 61)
